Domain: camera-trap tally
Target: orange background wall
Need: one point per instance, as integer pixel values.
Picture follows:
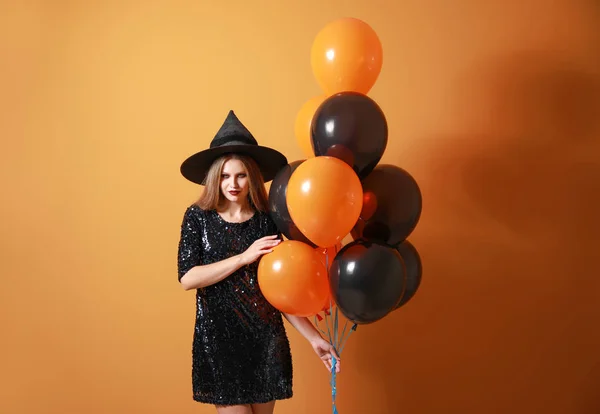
(492, 105)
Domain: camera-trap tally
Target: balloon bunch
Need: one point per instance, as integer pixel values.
(341, 189)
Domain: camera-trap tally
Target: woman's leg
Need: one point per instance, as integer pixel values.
(266, 408)
(234, 409)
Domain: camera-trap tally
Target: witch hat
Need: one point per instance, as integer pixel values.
(233, 138)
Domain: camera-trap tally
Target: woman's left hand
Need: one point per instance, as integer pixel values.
(326, 352)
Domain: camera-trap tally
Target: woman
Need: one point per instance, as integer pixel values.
(241, 355)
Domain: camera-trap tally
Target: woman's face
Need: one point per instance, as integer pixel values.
(234, 181)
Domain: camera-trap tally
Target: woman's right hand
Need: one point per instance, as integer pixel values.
(258, 248)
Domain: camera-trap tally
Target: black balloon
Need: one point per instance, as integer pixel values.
(278, 206)
(414, 270)
(352, 127)
(392, 206)
(367, 280)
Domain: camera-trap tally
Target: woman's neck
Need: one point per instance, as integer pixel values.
(236, 210)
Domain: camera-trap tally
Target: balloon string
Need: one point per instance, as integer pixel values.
(335, 318)
(337, 341)
(333, 368)
(335, 331)
(317, 325)
(343, 331)
(332, 341)
(348, 336)
(328, 328)
(330, 301)
(333, 385)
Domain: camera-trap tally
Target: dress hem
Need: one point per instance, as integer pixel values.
(242, 402)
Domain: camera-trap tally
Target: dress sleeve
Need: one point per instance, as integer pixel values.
(190, 247)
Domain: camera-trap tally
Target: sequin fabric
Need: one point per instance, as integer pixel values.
(240, 351)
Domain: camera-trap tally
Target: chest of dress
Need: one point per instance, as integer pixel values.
(221, 239)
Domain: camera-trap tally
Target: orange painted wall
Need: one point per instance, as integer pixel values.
(492, 105)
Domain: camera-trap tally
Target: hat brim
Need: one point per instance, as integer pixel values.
(269, 161)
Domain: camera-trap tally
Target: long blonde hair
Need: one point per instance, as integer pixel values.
(213, 199)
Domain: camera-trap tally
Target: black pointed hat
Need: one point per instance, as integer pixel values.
(233, 138)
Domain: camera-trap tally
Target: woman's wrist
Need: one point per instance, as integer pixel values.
(315, 338)
(241, 260)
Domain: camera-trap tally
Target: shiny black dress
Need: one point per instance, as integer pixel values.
(240, 353)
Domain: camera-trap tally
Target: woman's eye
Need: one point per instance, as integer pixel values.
(242, 175)
(224, 176)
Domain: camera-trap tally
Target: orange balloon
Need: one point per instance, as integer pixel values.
(346, 55)
(303, 123)
(293, 279)
(324, 198)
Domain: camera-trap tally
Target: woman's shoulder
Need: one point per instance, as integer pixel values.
(195, 212)
(194, 208)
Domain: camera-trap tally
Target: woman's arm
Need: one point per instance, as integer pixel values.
(305, 327)
(206, 275)
(324, 350)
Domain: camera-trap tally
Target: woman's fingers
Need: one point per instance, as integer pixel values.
(329, 365)
(265, 244)
(268, 244)
(267, 248)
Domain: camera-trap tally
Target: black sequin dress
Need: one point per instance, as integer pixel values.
(240, 353)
